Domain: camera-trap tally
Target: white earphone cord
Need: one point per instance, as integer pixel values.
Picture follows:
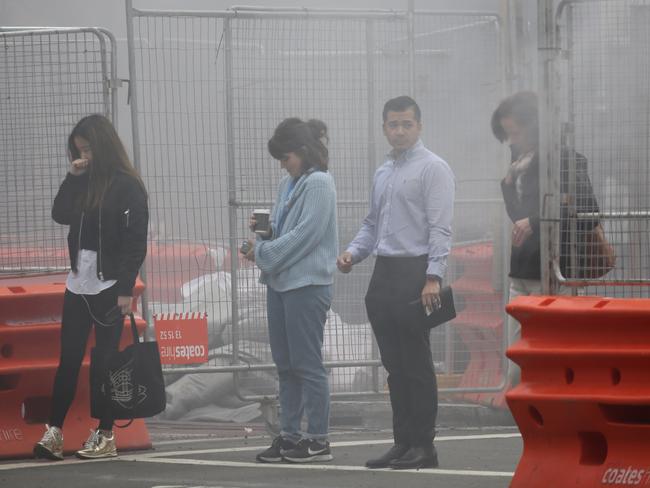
(97, 321)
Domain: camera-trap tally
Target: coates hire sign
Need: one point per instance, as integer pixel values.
(628, 476)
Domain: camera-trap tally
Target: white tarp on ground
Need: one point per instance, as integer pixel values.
(212, 396)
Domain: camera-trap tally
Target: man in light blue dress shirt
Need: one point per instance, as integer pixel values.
(408, 228)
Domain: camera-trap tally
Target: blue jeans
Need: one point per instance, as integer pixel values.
(296, 324)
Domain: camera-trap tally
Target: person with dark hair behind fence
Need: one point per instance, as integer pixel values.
(516, 122)
(104, 202)
(408, 228)
(297, 257)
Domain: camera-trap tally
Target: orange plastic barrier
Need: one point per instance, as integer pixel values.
(583, 404)
(480, 324)
(177, 263)
(30, 312)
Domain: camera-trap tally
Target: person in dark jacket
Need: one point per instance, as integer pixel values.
(516, 122)
(104, 202)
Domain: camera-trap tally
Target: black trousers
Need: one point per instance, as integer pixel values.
(404, 346)
(76, 323)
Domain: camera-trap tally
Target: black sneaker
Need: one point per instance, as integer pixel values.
(274, 453)
(309, 451)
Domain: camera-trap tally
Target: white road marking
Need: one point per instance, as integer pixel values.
(208, 439)
(333, 444)
(321, 467)
(44, 463)
(221, 440)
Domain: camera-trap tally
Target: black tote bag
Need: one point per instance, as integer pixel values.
(133, 385)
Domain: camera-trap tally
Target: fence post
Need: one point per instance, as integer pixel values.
(232, 189)
(133, 100)
(113, 82)
(372, 144)
(411, 44)
(549, 150)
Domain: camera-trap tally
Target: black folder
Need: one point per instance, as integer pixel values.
(442, 314)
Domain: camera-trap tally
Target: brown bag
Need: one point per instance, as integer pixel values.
(598, 255)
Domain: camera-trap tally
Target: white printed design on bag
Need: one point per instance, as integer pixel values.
(122, 386)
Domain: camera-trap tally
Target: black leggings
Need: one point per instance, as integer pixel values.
(76, 324)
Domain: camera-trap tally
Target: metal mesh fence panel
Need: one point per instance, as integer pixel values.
(181, 113)
(458, 83)
(212, 87)
(606, 107)
(183, 121)
(309, 68)
(50, 79)
(342, 72)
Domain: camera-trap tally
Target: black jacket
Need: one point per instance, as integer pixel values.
(123, 222)
(525, 260)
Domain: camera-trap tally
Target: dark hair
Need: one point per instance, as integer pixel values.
(109, 156)
(401, 104)
(522, 107)
(307, 139)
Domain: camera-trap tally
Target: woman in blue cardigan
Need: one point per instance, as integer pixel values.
(297, 258)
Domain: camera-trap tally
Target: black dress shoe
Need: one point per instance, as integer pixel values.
(416, 458)
(395, 452)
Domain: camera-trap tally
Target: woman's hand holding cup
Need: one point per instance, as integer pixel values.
(252, 222)
(260, 222)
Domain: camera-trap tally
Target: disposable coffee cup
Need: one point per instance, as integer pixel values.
(262, 218)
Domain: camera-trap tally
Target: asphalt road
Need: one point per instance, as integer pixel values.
(471, 458)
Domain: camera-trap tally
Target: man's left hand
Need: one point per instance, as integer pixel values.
(431, 294)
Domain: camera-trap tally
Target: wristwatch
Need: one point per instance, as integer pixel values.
(435, 277)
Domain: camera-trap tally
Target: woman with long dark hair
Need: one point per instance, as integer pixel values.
(297, 258)
(516, 122)
(104, 202)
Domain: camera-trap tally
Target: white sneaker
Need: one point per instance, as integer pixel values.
(51, 445)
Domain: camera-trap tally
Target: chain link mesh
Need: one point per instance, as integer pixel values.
(212, 87)
(50, 80)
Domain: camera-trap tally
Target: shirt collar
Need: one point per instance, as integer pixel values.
(406, 155)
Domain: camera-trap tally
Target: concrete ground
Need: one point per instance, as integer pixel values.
(471, 454)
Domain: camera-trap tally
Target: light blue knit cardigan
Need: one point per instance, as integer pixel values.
(304, 251)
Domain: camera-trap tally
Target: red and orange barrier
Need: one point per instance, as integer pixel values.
(480, 323)
(30, 312)
(583, 404)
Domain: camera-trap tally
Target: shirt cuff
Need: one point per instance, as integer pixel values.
(355, 254)
(437, 268)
